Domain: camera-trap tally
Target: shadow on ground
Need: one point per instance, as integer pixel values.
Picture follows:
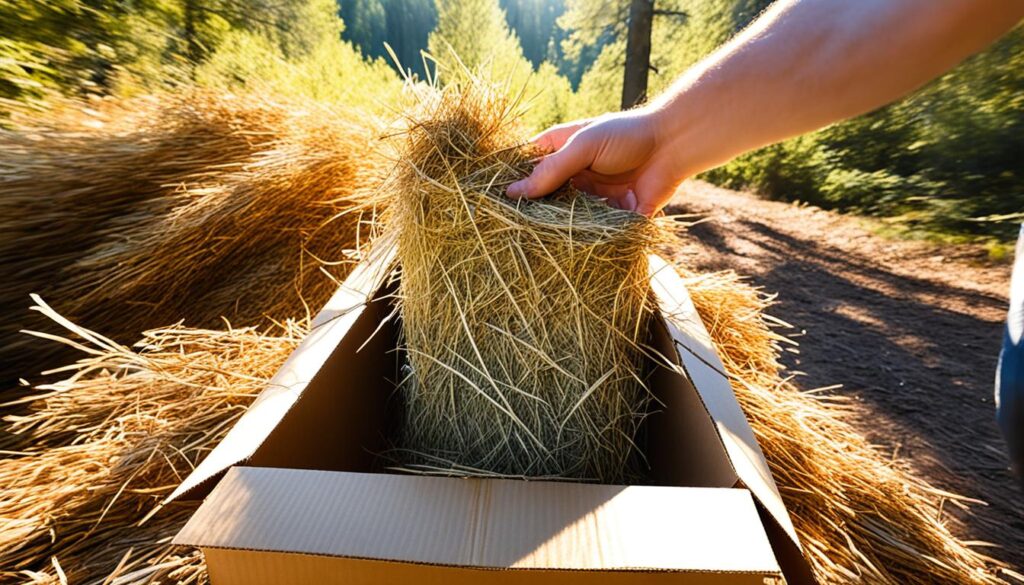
(919, 354)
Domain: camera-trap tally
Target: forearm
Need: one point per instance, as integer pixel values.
(807, 63)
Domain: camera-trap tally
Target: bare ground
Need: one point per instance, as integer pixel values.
(911, 330)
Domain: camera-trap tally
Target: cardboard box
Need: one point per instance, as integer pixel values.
(305, 499)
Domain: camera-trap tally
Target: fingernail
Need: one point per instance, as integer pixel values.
(629, 201)
(517, 189)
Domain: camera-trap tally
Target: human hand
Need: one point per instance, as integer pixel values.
(619, 156)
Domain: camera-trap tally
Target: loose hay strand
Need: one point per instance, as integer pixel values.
(862, 517)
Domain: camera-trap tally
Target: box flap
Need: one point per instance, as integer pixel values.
(706, 371)
(489, 523)
(680, 441)
(330, 326)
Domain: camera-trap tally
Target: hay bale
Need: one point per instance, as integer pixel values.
(195, 207)
(522, 321)
(127, 425)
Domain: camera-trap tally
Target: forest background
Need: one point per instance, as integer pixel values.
(944, 163)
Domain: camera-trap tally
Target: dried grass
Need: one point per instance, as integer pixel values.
(521, 321)
(127, 425)
(148, 211)
(119, 433)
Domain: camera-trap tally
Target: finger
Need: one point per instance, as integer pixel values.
(587, 183)
(555, 169)
(555, 137)
(617, 195)
(628, 201)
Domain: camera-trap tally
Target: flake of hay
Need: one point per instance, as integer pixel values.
(861, 516)
(194, 207)
(521, 321)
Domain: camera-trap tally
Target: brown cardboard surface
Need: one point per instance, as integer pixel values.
(328, 407)
(245, 567)
(344, 318)
(496, 524)
(705, 369)
(679, 439)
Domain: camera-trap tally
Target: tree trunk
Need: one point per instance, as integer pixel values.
(192, 47)
(638, 53)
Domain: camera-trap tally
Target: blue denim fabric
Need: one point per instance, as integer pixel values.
(1010, 372)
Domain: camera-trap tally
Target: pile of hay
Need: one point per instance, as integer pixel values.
(104, 446)
(121, 431)
(522, 321)
(139, 213)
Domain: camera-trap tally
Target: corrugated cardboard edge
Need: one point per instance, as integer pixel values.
(230, 567)
(703, 366)
(284, 389)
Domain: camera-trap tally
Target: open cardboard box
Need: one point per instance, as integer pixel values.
(299, 496)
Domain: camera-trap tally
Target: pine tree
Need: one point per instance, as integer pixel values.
(474, 32)
(627, 30)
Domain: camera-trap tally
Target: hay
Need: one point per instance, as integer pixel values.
(121, 432)
(522, 322)
(861, 516)
(198, 206)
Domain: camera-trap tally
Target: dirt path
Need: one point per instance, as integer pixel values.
(911, 330)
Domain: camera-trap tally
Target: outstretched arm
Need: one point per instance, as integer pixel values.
(802, 65)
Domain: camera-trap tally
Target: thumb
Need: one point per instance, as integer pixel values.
(554, 170)
(653, 191)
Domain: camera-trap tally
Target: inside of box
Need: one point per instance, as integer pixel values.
(345, 415)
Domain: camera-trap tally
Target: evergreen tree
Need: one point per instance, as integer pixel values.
(535, 22)
(402, 24)
(474, 32)
(631, 36)
(101, 45)
(474, 35)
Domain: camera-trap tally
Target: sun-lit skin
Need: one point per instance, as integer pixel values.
(802, 65)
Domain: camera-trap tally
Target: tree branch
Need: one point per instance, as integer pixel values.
(677, 13)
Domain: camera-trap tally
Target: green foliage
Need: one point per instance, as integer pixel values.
(402, 24)
(324, 67)
(938, 161)
(945, 160)
(113, 46)
(406, 24)
(475, 33)
(603, 25)
(46, 46)
(548, 95)
(472, 35)
(534, 21)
